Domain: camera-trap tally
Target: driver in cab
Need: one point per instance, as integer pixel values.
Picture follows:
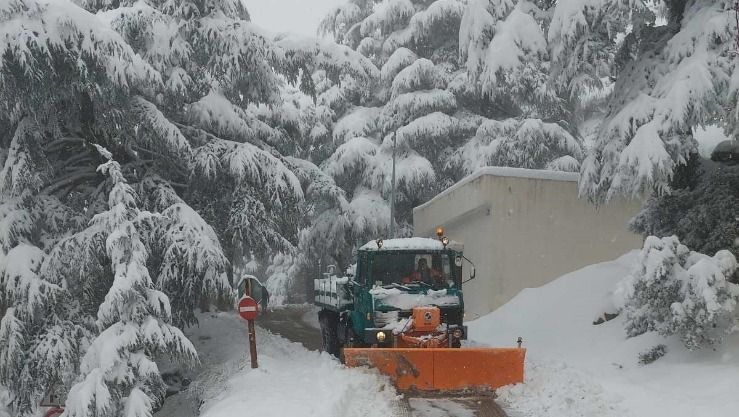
(424, 274)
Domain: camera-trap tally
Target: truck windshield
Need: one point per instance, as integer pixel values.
(433, 269)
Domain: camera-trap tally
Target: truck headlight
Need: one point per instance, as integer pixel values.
(381, 336)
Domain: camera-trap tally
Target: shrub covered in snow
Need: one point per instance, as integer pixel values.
(675, 291)
(651, 355)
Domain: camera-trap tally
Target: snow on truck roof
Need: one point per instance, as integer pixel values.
(410, 243)
(538, 174)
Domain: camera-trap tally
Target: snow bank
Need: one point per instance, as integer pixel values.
(290, 381)
(575, 368)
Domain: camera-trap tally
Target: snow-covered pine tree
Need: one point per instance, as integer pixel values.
(324, 238)
(677, 291)
(415, 44)
(504, 48)
(344, 21)
(584, 39)
(118, 375)
(218, 67)
(340, 79)
(174, 91)
(54, 283)
(40, 347)
(505, 51)
(50, 73)
(668, 79)
(241, 128)
(702, 212)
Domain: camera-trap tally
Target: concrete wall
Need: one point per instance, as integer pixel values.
(523, 228)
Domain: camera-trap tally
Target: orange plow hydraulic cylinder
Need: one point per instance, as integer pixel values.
(443, 369)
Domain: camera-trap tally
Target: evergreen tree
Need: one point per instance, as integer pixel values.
(414, 43)
(117, 372)
(185, 98)
(701, 212)
(668, 79)
(505, 51)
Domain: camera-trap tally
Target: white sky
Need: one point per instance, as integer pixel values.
(297, 16)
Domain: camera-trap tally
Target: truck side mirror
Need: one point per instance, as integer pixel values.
(472, 271)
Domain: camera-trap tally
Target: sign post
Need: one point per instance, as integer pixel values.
(248, 310)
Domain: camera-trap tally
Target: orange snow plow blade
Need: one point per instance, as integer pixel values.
(443, 369)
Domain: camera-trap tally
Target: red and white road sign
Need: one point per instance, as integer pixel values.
(248, 308)
(54, 412)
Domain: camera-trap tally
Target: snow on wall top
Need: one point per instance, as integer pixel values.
(411, 243)
(538, 174)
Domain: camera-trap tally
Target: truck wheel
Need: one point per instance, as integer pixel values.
(329, 336)
(350, 341)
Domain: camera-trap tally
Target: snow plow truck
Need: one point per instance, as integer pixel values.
(402, 313)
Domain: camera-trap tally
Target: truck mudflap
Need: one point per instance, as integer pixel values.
(443, 369)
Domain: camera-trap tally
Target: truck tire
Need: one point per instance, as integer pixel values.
(350, 340)
(329, 321)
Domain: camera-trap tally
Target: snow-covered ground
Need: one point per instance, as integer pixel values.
(575, 368)
(290, 381)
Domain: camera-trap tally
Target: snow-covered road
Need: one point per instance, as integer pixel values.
(291, 380)
(300, 323)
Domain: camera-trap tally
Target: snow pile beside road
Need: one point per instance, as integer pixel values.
(575, 368)
(291, 381)
(556, 390)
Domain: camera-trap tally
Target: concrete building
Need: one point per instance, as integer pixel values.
(523, 228)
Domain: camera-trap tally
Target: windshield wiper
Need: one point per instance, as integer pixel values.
(396, 285)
